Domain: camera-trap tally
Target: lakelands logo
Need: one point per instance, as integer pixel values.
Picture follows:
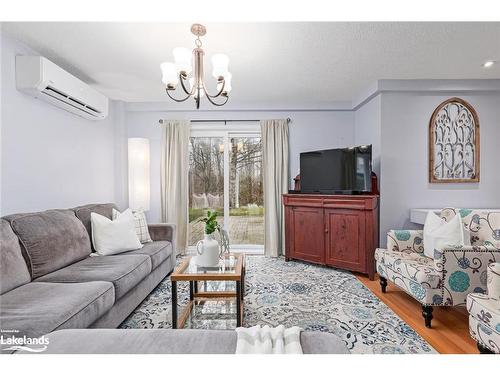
(28, 344)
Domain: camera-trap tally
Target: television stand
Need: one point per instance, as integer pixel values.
(335, 230)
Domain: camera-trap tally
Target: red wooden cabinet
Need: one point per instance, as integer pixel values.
(336, 230)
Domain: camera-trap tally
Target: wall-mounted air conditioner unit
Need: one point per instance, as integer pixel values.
(39, 77)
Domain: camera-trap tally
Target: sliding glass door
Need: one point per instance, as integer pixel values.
(246, 198)
(225, 175)
(206, 183)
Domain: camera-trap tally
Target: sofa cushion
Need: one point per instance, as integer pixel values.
(111, 237)
(140, 223)
(36, 309)
(83, 213)
(171, 341)
(13, 269)
(124, 271)
(51, 239)
(158, 251)
(413, 266)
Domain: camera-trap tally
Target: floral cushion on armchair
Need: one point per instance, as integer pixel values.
(484, 226)
(406, 241)
(412, 266)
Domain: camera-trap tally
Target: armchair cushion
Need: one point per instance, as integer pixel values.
(439, 233)
(484, 226)
(408, 241)
(414, 267)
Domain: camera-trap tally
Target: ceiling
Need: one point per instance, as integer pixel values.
(280, 65)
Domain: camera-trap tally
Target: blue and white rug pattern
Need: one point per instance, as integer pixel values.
(292, 293)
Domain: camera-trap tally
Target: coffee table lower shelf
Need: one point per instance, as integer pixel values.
(196, 296)
(179, 318)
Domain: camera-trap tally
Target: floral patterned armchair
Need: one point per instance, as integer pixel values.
(484, 313)
(453, 273)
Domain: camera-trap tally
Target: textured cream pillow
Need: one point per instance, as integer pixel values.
(141, 225)
(114, 236)
(439, 233)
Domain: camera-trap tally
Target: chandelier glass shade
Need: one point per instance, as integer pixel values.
(192, 81)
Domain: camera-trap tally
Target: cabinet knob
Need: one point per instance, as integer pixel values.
(326, 229)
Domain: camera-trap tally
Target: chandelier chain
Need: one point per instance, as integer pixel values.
(198, 42)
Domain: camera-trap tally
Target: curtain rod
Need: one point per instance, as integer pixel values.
(226, 121)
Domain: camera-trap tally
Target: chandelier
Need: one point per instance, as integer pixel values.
(194, 86)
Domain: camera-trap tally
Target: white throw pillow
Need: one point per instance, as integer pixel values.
(114, 236)
(141, 225)
(439, 233)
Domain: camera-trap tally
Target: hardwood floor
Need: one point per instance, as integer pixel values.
(450, 330)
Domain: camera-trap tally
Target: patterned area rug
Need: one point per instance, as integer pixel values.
(292, 293)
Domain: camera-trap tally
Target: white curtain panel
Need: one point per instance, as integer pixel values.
(174, 178)
(275, 173)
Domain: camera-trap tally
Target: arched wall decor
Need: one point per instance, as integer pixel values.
(454, 143)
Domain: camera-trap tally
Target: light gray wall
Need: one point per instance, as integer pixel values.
(311, 130)
(50, 158)
(367, 128)
(404, 161)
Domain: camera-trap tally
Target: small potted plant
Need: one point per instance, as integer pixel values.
(208, 248)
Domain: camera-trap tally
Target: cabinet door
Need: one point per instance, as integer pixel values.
(307, 233)
(345, 239)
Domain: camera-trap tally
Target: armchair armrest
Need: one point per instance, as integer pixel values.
(409, 241)
(162, 232)
(464, 270)
(493, 282)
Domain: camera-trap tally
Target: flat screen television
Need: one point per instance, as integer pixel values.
(336, 171)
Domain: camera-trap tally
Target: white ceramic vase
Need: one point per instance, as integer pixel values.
(208, 252)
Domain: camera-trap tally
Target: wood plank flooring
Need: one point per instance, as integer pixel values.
(450, 330)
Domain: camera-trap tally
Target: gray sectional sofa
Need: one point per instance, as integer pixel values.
(51, 285)
(49, 281)
(170, 341)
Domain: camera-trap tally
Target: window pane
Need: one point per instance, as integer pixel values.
(206, 183)
(246, 197)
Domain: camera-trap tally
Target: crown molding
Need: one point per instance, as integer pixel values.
(253, 107)
(435, 86)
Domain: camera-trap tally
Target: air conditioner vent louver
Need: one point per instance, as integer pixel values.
(41, 78)
(73, 102)
(60, 97)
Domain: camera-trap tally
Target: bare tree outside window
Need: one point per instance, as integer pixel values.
(206, 187)
(246, 194)
(206, 183)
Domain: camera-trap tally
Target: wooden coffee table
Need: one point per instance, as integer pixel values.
(190, 271)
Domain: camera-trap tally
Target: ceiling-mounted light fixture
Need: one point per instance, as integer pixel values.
(173, 73)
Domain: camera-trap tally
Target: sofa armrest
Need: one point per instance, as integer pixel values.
(409, 241)
(162, 232)
(464, 270)
(493, 282)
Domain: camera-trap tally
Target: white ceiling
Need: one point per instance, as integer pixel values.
(281, 65)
